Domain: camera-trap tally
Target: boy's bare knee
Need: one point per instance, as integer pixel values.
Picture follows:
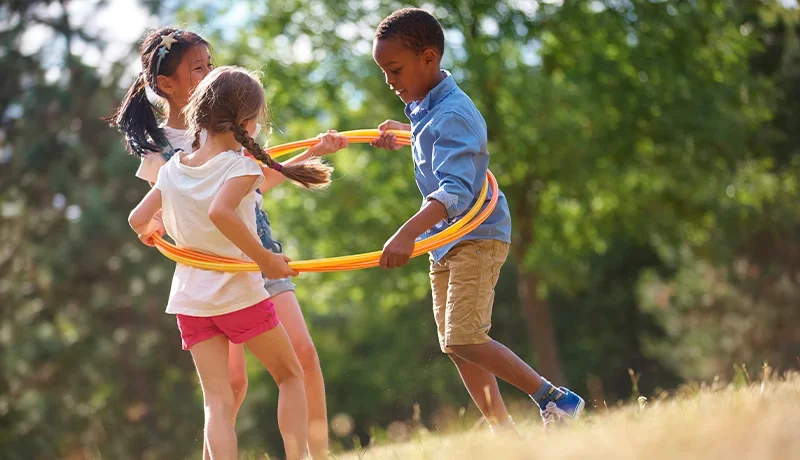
(457, 360)
(464, 352)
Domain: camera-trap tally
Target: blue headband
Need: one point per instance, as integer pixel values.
(166, 45)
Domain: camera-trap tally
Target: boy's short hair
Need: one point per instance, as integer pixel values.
(417, 29)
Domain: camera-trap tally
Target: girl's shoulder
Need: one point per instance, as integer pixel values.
(238, 164)
(237, 159)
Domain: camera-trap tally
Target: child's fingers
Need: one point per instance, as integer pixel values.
(386, 141)
(391, 141)
(379, 142)
(293, 272)
(389, 124)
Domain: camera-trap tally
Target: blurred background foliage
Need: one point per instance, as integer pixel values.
(649, 150)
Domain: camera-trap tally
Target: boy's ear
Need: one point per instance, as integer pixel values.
(430, 55)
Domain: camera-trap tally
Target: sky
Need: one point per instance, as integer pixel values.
(119, 25)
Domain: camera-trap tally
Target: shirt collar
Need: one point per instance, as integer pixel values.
(434, 96)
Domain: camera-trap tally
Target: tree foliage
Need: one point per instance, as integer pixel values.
(648, 150)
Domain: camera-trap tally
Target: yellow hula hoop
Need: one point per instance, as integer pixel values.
(463, 226)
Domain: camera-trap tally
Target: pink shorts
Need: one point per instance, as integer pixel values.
(238, 326)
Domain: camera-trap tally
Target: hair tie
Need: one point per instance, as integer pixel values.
(277, 166)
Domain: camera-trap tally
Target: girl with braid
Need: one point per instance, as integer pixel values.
(174, 62)
(207, 201)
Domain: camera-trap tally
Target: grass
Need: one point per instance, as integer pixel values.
(746, 421)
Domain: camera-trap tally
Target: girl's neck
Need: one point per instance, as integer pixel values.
(175, 119)
(218, 143)
(214, 145)
(222, 142)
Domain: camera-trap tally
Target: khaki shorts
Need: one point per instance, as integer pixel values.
(463, 284)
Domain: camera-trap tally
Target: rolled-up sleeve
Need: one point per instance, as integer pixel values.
(454, 146)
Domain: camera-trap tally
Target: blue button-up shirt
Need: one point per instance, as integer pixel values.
(450, 160)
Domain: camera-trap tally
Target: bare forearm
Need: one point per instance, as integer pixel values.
(143, 227)
(141, 218)
(233, 227)
(427, 217)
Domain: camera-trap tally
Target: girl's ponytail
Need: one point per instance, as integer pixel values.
(311, 173)
(136, 119)
(161, 53)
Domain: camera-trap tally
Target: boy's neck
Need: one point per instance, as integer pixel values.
(433, 82)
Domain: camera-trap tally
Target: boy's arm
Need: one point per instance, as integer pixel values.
(142, 219)
(452, 162)
(397, 251)
(455, 146)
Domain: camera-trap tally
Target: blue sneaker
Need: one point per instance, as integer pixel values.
(565, 410)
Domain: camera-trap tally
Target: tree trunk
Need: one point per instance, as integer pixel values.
(540, 327)
(536, 309)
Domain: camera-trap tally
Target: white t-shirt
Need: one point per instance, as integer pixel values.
(153, 161)
(187, 193)
(178, 139)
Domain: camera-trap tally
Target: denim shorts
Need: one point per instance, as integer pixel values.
(274, 287)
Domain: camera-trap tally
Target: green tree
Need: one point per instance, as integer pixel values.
(614, 126)
(91, 365)
(648, 150)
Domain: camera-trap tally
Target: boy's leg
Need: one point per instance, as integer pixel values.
(497, 359)
(211, 360)
(291, 317)
(481, 385)
(474, 270)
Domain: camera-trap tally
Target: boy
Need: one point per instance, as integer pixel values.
(450, 157)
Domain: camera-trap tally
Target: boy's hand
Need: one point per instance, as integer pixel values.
(276, 266)
(397, 251)
(329, 142)
(157, 226)
(389, 140)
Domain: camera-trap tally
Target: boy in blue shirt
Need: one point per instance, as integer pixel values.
(450, 161)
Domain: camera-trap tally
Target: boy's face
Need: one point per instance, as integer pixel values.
(407, 73)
